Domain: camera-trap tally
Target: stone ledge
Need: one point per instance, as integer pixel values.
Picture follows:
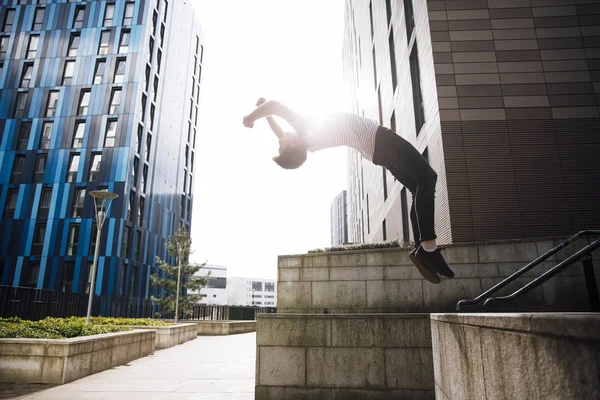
(215, 328)
(169, 336)
(66, 360)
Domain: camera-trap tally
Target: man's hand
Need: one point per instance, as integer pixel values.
(260, 102)
(247, 122)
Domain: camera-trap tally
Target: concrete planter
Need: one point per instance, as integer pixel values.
(65, 360)
(516, 356)
(214, 328)
(169, 336)
(354, 356)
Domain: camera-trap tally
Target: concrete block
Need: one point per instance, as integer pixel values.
(358, 394)
(15, 347)
(290, 262)
(388, 257)
(508, 268)
(345, 367)
(314, 274)
(566, 293)
(446, 294)
(341, 294)
(119, 356)
(439, 394)
(356, 273)
(77, 367)
(460, 255)
(289, 274)
(584, 326)
(543, 246)
(294, 295)
(291, 393)
(24, 368)
(361, 331)
(281, 366)
(508, 252)
(57, 348)
(403, 272)
(316, 261)
(348, 260)
(293, 331)
(419, 329)
(52, 371)
(400, 295)
(101, 360)
(533, 299)
(479, 270)
(409, 368)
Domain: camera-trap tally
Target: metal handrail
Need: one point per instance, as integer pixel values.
(526, 268)
(545, 276)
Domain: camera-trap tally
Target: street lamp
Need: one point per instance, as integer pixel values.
(101, 197)
(181, 240)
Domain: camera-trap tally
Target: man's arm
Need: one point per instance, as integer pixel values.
(268, 108)
(272, 123)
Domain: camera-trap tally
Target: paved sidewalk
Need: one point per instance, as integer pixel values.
(209, 367)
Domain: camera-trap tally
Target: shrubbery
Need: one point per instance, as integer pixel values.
(364, 246)
(62, 328)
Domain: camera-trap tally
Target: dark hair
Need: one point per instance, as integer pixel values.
(292, 157)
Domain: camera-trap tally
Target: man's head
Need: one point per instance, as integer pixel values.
(292, 152)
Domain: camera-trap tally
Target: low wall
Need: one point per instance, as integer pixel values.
(516, 356)
(343, 356)
(61, 361)
(213, 328)
(169, 336)
(386, 281)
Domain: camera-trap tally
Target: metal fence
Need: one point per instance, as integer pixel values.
(35, 304)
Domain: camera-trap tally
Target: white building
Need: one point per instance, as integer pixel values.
(339, 220)
(215, 292)
(252, 291)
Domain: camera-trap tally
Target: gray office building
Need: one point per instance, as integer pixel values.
(339, 220)
(501, 96)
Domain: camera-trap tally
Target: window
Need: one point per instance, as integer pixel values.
(134, 279)
(99, 71)
(166, 8)
(134, 173)
(148, 146)
(4, 45)
(73, 240)
(141, 211)
(119, 71)
(147, 78)
(95, 167)
(115, 101)
(155, 87)
(138, 245)
(138, 139)
(152, 117)
(20, 105)
(45, 199)
(11, 203)
(18, 167)
(93, 238)
(162, 34)
(24, 134)
(40, 168)
(154, 21)
(52, 103)
(78, 17)
(393, 60)
(73, 45)
(39, 233)
(111, 133)
(125, 242)
(128, 15)
(32, 47)
(150, 50)
(144, 178)
(78, 135)
(130, 206)
(26, 76)
(124, 43)
(73, 167)
(409, 16)
(415, 76)
(9, 19)
(192, 163)
(66, 284)
(103, 46)
(69, 72)
(109, 14)
(142, 110)
(29, 276)
(84, 102)
(38, 20)
(46, 135)
(90, 267)
(78, 200)
(122, 280)
(158, 61)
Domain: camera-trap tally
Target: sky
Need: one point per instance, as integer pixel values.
(248, 210)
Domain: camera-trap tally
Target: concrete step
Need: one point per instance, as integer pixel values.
(366, 356)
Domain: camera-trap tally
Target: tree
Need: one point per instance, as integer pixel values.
(166, 277)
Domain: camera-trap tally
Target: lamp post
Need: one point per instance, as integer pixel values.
(100, 199)
(181, 240)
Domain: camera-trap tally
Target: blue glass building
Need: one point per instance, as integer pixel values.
(95, 95)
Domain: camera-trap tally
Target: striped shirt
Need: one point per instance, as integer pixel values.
(338, 129)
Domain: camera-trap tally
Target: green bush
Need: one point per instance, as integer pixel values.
(128, 321)
(364, 246)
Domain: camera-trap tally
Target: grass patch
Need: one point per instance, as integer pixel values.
(364, 246)
(64, 328)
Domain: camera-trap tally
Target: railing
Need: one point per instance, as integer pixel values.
(590, 277)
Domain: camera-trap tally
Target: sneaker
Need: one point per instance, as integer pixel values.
(428, 274)
(434, 261)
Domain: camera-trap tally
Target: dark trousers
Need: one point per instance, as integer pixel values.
(412, 170)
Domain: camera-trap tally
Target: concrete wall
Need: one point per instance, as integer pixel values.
(169, 336)
(510, 356)
(62, 361)
(385, 280)
(211, 328)
(344, 357)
